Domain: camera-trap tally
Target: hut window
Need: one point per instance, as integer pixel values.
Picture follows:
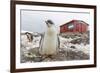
(70, 26)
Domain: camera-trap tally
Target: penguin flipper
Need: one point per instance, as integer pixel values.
(58, 43)
(41, 43)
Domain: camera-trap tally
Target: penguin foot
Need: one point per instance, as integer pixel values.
(47, 56)
(50, 56)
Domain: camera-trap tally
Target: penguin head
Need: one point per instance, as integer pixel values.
(49, 23)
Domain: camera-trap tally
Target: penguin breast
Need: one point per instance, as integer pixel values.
(50, 42)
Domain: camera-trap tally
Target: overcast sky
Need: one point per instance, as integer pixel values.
(34, 21)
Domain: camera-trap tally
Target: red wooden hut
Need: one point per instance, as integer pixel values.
(74, 26)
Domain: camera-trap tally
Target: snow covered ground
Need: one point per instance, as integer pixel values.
(67, 51)
(65, 43)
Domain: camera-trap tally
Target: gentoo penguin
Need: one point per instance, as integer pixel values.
(27, 40)
(49, 42)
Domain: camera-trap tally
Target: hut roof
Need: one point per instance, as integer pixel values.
(76, 21)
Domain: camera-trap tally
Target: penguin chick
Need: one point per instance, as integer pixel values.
(49, 42)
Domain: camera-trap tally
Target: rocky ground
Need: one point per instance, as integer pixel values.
(73, 47)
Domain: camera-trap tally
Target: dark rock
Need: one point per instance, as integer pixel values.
(73, 47)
